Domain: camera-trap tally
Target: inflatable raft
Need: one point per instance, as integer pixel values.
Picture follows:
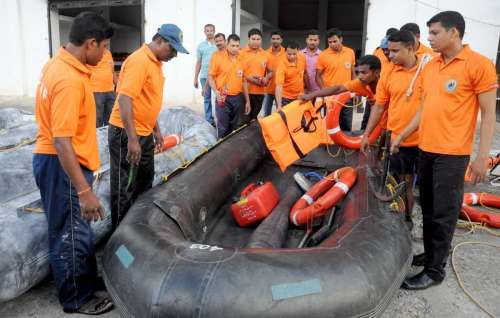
(23, 226)
(180, 253)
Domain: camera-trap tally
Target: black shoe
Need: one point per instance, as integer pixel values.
(94, 307)
(419, 260)
(420, 281)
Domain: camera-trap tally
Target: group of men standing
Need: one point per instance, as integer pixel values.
(432, 106)
(246, 79)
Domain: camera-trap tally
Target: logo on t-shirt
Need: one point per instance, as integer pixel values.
(239, 73)
(264, 64)
(451, 85)
(347, 65)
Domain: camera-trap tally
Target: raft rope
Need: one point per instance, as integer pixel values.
(24, 142)
(472, 227)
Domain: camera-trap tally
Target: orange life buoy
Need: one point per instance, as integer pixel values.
(334, 106)
(489, 200)
(170, 141)
(492, 162)
(311, 205)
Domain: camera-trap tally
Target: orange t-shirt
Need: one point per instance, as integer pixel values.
(336, 67)
(65, 107)
(256, 63)
(391, 92)
(227, 72)
(450, 107)
(423, 49)
(101, 76)
(141, 79)
(291, 76)
(360, 89)
(274, 60)
(384, 60)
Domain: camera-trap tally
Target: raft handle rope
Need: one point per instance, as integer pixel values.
(472, 227)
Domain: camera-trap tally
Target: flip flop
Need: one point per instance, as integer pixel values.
(95, 306)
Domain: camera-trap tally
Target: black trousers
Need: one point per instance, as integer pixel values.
(366, 115)
(256, 104)
(345, 118)
(141, 177)
(441, 181)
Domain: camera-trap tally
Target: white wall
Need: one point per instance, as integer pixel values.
(483, 37)
(26, 45)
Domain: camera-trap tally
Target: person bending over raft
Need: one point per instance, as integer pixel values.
(369, 68)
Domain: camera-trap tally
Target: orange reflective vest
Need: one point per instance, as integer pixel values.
(291, 133)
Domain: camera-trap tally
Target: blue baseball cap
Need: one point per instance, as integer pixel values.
(384, 44)
(173, 35)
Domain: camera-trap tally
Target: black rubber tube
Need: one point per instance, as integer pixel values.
(271, 233)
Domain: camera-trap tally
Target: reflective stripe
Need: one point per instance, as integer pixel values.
(475, 198)
(342, 186)
(294, 218)
(177, 139)
(308, 199)
(333, 131)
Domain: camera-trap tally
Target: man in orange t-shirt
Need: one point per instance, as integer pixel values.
(369, 69)
(336, 66)
(399, 91)
(65, 157)
(276, 54)
(382, 51)
(456, 84)
(103, 80)
(420, 48)
(258, 73)
(133, 132)
(291, 76)
(226, 77)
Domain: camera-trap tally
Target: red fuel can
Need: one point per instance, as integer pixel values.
(256, 203)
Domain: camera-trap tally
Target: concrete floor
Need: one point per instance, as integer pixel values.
(478, 266)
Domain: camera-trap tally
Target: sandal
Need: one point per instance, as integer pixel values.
(95, 306)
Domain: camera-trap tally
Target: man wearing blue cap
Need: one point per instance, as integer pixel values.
(133, 131)
(382, 51)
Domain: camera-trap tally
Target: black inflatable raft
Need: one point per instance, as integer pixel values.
(179, 252)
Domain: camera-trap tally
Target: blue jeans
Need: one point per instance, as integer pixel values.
(104, 102)
(71, 247)
(269, 99)
(228, 115)
(207, 103)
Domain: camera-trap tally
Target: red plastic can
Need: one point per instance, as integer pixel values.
(256, 203)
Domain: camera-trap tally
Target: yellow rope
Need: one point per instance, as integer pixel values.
(24, 142)
(459, 279)
(350, 106)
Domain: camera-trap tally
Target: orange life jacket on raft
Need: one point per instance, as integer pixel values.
(291, 133)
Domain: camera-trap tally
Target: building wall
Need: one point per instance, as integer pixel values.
(482, 36)
(190, 16)
(27, 36)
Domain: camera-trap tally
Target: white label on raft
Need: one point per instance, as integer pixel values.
(475, 198)
(333, 131)
(342, 186)
(308, 199)
(210, 248)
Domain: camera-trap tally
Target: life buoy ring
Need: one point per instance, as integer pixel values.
(170, 141)
(489, 200)
(334, 106)
(311, 205)
(492, 162)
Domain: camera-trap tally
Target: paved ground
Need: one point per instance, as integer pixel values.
(477, 265)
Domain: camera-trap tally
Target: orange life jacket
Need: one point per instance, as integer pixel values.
(291, 133)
